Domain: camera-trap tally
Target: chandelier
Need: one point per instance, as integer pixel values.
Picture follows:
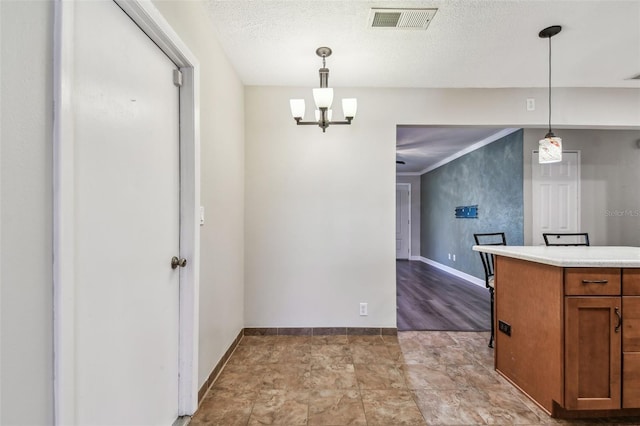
(323, 97)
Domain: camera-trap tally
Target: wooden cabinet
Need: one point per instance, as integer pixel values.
(631, 338)
(602, 338)
(574, 336)
(592, 353)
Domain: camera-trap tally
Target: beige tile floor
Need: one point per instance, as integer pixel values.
(416, 378)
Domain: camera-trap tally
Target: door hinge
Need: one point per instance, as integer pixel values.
(177, 78)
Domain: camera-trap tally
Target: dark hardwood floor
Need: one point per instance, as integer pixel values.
(431, 299)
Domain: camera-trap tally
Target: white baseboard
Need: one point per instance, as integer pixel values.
(459, 274)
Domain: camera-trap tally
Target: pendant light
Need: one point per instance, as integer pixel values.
(323, 97)
(550, 148)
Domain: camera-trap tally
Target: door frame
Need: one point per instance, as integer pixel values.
(535, 163)
(408, 187)
(153, 24)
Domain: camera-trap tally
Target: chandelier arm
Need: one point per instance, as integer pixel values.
(316, 123)
(306, 123)
(348, 121)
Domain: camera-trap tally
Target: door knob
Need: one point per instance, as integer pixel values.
(175, 262)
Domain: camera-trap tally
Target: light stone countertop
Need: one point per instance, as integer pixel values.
(591, 257)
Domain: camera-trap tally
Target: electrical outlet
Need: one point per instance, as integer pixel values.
(504, 327)
(454, 257)
(531, 104)
(363, 309)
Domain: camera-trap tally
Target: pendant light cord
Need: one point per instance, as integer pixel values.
(549, 84)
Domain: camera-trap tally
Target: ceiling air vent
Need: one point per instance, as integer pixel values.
(408, 19)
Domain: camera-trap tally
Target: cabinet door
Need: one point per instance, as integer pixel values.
(592, 353)
(631, 352)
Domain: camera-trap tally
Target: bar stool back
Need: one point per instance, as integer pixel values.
(490, 239)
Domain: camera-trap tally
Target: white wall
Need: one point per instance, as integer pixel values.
(609, 178)
(319, 212)
(319, 207)
(415, 210)
(222, 183)
(26, 326)
(26, 365)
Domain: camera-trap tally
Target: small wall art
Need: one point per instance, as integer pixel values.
(467, 212)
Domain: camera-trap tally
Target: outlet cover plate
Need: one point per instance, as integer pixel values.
(363, 309)
(504, 327)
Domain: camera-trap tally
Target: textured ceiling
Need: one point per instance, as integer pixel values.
(469, 43)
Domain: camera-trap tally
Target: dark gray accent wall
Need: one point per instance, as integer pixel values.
(490, 177)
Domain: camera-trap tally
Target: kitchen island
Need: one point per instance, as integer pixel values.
(568, 326)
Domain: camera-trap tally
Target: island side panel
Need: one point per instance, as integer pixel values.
(529, 297)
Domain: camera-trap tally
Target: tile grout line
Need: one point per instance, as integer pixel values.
(465, 346)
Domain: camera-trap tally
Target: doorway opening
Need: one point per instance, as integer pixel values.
(442, 287)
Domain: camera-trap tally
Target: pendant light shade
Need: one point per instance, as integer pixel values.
(323, 97)
(297, 108)
(349, 107)
(550, 148)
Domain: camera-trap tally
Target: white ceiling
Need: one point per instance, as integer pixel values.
(423, 148)
(469, 43)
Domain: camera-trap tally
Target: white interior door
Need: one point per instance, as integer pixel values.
(127, 222)
(403, 221)
(555, 190)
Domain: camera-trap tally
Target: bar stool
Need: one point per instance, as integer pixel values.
(570, 239)
(490, 239)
